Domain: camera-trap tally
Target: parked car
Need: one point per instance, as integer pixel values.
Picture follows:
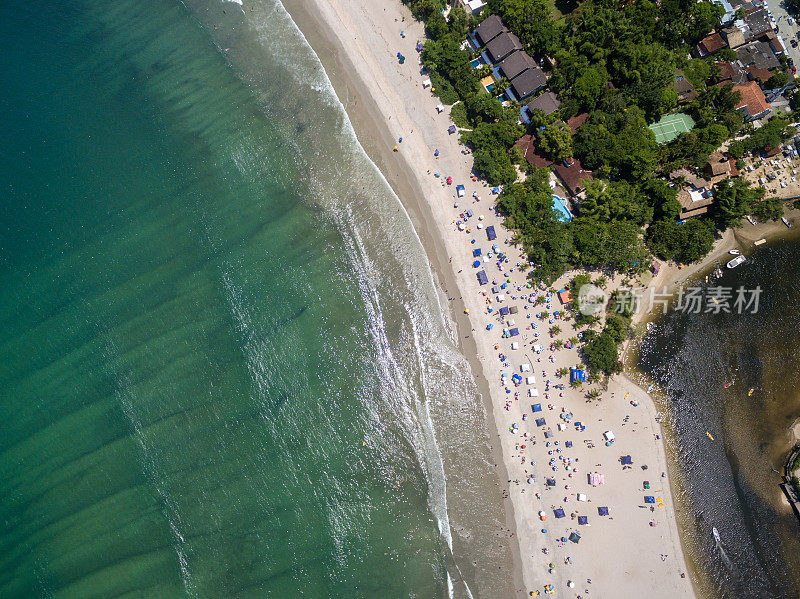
(794, 43)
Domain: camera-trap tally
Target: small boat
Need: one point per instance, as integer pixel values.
(709, 435)
(736, 261)
(749, 393)
(715, 532)
(751, 220)
(786, 222)
(733, 252)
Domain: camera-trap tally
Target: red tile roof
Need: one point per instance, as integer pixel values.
(711, 44)
(752, 98)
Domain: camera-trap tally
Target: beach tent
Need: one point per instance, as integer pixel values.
(533, 392)
(504, 310)
(476, 252)
(540, 422)
(578, 375)
(548, 434)
(550, 482)
(513, 332)
(490, 233)
(574, 537)
(482, 278)
(451, 129)
(595, 479)
(538, 348)
(626, 460)
(562, 426)
(568, 444)
(440, 108)
(525, 367)
(649, 499)
(537, 407)
(476, 264)
(426, 83)
(583, 520)
(581, 497)
(513, 309)
(460, 190)
(514, 345)
(559, 512)
(530, 380)
(419, 49)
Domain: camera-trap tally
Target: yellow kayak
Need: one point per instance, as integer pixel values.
(709, 435)
(749, 393)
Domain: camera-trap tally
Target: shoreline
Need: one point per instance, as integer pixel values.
(370, 126)
(368, 113)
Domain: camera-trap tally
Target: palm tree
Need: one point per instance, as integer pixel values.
(558, 344)
(555, 330)
(562, 371)
(573, 340)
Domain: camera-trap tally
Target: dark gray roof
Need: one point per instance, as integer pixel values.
(515, 63)
(489, 29)
(758, 22)
(528, 82)
(548, 103)
(759, 54)
(503, 45)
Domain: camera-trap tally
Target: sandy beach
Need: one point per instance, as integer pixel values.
(635, 549)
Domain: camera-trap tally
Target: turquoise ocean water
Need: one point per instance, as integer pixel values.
(224, 371)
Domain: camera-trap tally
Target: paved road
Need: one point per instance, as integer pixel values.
(786, 31)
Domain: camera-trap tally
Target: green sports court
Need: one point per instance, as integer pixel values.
(670, 126)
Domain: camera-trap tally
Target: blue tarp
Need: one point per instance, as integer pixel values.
(537, 407)
(576, 374)
(626, 460)
(540, 422)
(490, 233)
(559, 513)
(482, 278)
(504, 310)
(649, 499)
(513, 332)
(476, 264)
(583, 520)
(568, 444)
(551, 482)
(603, 511)
(476, 252)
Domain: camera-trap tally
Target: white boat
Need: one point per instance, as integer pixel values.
(786, 222)
(715, 532)
(733, 252)
(751, 220)
(736, 261)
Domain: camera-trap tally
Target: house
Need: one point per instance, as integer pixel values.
(755, 73)
(577, 121)
(733, 36)
(753, 104)
(489, 29)
(571, 171)
(720, 166)
(548, 103)
(515, 63)
(731, 72)
(564, 296)
(757, 22)
(527, 83)
(684, 87)
(759, 54)
(573, 175)
(472, 7)
(695, 196)
(710, 44)
(502, 45)
(774, 42)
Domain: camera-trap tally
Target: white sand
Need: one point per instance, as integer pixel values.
(622, 554)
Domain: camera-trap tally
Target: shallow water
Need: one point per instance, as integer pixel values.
(223, 367)
(731, 482)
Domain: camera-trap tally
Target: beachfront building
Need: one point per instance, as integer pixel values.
(753, 104)
(695, 196)
(488, 30)
(720, 166)
(570, 171)
(526, 84)
(516, 64)
(710, 44)
(684, 88)
(547, 102)
(502, 46)
(473, 7)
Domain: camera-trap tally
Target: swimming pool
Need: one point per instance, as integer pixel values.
(560, 204)
(476, 63)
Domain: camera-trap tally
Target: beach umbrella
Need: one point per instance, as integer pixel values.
(574, 537)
